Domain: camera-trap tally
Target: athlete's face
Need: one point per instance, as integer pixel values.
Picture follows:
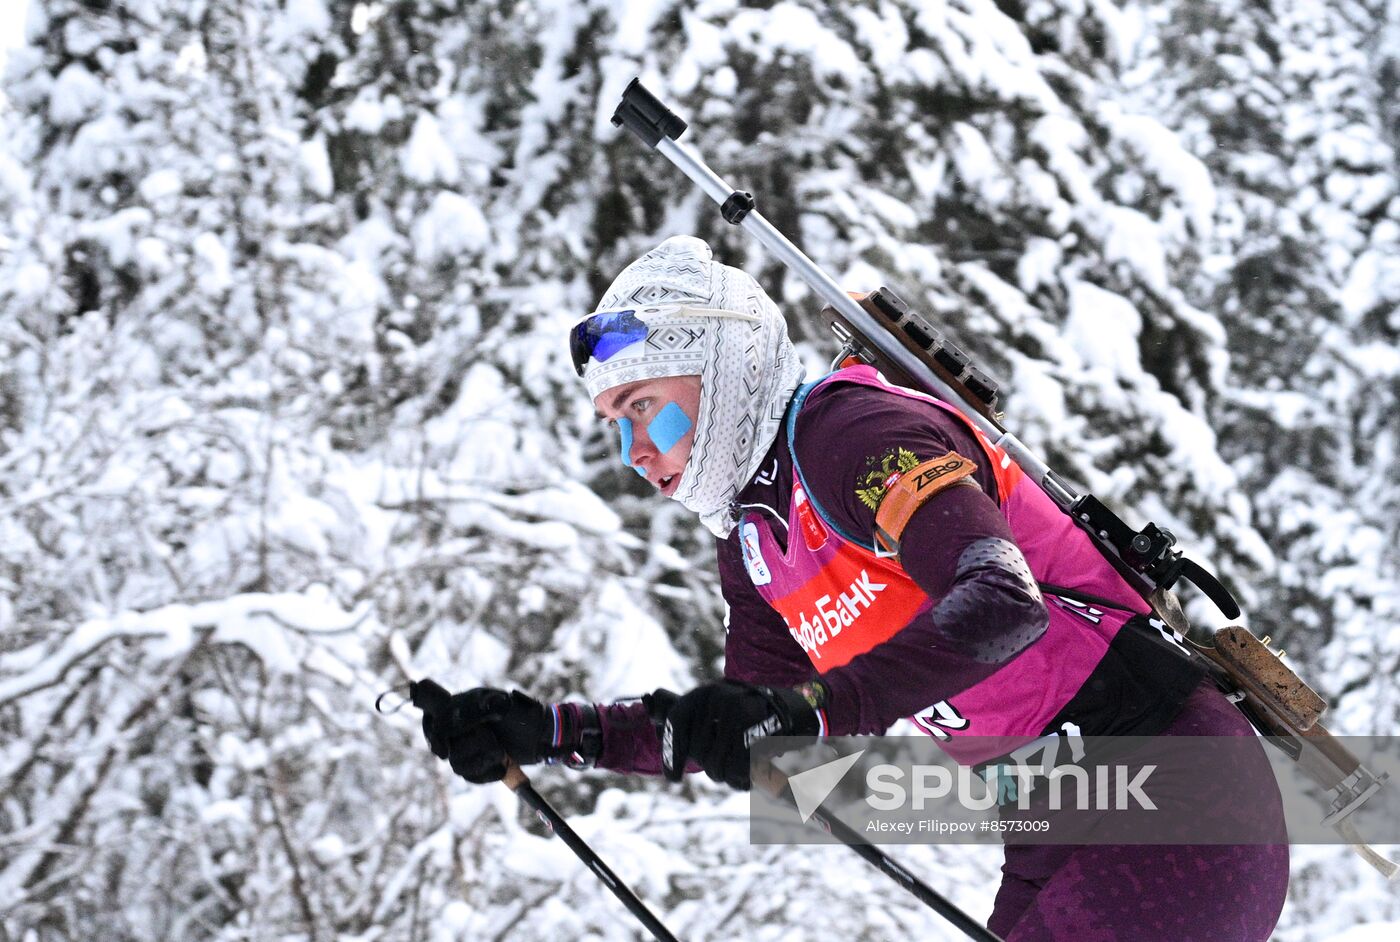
(658, 415)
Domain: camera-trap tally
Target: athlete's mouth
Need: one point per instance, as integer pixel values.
(666, 484)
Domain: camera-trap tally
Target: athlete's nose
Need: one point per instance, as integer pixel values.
(637, 449)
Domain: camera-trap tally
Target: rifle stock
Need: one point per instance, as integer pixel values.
(922, 339)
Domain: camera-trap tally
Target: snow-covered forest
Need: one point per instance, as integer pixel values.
(286, 415)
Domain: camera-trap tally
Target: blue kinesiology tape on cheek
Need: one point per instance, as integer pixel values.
(669, 427)
(624, 431)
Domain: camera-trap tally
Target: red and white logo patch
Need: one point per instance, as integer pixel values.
(813, 530)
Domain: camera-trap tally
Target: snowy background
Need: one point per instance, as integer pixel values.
(286, 416)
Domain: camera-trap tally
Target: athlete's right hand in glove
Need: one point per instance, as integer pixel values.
(476, 731)
(715, 724)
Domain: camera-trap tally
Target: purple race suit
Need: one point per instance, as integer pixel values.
(1000, 619)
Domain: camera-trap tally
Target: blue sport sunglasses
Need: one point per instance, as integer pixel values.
(603, 335)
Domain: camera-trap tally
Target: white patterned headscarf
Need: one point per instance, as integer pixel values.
(708, 319)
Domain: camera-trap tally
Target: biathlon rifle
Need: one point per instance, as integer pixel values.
(879, 329)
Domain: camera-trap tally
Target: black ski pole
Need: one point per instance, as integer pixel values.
(775, 783)
(519, 783)
(432, 698)
(772, 780)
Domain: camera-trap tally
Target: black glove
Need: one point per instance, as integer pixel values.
(715, 725)
(477, 730)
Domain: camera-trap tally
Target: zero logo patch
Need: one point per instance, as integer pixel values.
(909, 490)
(929, 475)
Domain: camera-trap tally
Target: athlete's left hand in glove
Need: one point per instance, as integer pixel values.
(716, 724)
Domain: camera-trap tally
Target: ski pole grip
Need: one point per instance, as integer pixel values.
(430, 697)
(659, 704)
(644, 115)
(768, 777)
(515, 776)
